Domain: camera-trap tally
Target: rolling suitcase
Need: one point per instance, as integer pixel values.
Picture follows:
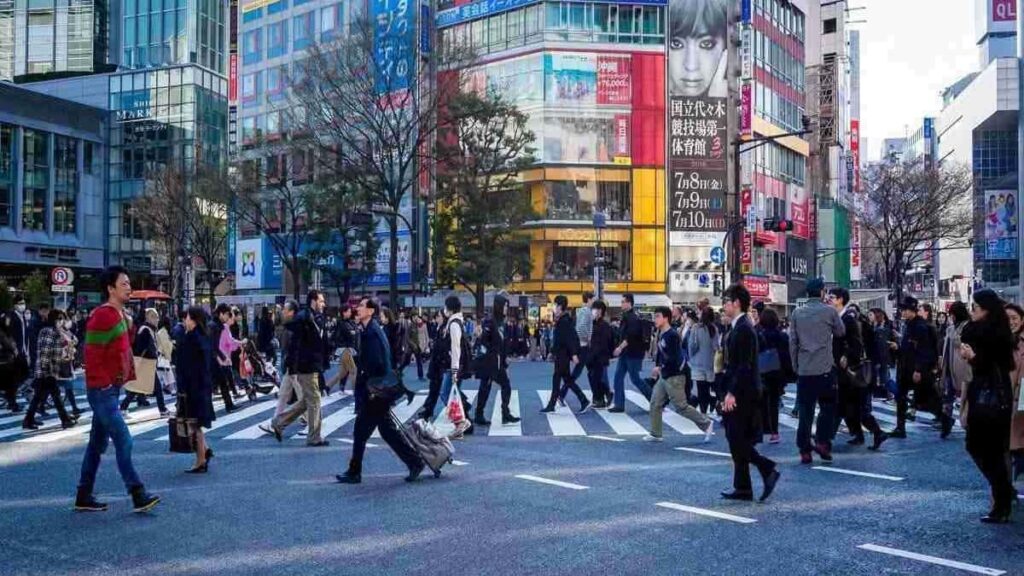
(435, 449)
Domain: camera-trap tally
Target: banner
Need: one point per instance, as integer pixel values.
(393, 44)
(382, 275)
(249, 264)
(697, 64)
(758, 286)
(854, 249)
(1000, 225)
(746, 236)
(622, 137)
(614, 81)
(798, 204)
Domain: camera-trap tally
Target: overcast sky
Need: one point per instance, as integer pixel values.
(910, 51)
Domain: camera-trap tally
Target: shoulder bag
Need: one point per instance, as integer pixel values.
(389, 386)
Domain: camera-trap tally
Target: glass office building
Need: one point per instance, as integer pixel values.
(43, 37)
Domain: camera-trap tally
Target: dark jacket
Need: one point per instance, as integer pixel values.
(851, 343)
(265, 337)
(396, 340)
(917, 353)
(633, 333)
(345, 335)
(493, 340)
(213, 330)
(602, 344)
(742, 378)
(194, 377)
(373, 357)
(565, 343)
(309, 343)
(145, 342)
(670, 353)
(992, 364)
(177, 334)
(18, 331)
(778, 339)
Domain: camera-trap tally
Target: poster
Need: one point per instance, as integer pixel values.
(393, 39)
(746, 236)
(381, 276)
(249, 264)
(614, 80)
(798, 204)
(1000, 224)
(698, 32)
(585, 139)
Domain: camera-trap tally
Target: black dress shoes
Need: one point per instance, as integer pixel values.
(769, 484)
(737, 495)
(349, 478)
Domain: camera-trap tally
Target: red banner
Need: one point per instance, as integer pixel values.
(799, 211)
(746, 238)
(855, 153)
(622, 137)
(1004, 10)
(233, 79)
(758, 286)
(613, 80)
(746, 110)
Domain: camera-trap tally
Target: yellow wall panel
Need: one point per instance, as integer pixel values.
(536, 260)
(644, 249)
(644, 189)
(659, 197)
(538, 198)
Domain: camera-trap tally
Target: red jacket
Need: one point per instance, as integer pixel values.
(108, 349)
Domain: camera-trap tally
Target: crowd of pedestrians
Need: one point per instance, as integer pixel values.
(734, 364)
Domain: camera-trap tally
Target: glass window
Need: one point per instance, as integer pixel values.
(575, 260)
(579, 199)
(533, 21)
(277, 39)
(302, 30)
(496, 32)
(65, 194)
(330, 20)
(251, 46)
(37, 179)
(6, 173)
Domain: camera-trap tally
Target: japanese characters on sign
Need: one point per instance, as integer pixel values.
(746, 236)
(394, 33)
(698, 163)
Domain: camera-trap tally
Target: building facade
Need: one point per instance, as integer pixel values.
(41, 38)
(52, 185)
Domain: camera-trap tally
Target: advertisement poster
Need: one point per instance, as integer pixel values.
(855, 249)
(697, 63)
(746, 110)
(520, 79)
(1000, 225)
(758, 286)
(578, 139)
(622, 135)
(797, 200)
(393, 39)
(381, 276)
(746, 237)
(614, 81)
(249, 264)
(570, 78)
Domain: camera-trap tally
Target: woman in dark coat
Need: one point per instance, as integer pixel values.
(987, 344)
(776, 380)
(195, 384)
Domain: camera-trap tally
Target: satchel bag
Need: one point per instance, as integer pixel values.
(145, 376)
(179, 437)
(389, 386)
(768, 361)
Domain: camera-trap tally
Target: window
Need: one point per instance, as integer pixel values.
(252, 15)
(249, 131)
(275, 83)
(575, 260)
(251, 46)
(6, 173)
(279, 6)
(579, 199)
(330, 20)
(302, 30)
(277, 39)
(65, 194)
(250, 87)
(37, 180)
(829, 26)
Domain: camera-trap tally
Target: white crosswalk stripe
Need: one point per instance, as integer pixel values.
(562, 421)
(254, 431)
(669, 417)
(499, 429)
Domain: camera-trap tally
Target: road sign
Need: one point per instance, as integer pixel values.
(717, 255)
(62, 288)
(62, 276)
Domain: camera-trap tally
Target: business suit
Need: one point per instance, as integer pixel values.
(566, 345)
(743, 423)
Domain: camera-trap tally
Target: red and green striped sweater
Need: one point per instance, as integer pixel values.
(108, 349)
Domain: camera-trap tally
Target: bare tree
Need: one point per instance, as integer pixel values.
(372, 117)
(908, 208)
(164, 210)
(482, 204)
(207, 224)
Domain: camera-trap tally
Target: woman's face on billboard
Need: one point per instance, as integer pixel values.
(694, 63)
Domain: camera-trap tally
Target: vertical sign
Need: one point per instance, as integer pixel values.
(698, 169)
(855, 255)
(1004, 10)
(233, 79)
(393, 44)
(746, 237)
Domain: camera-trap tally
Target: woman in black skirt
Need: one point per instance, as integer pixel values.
(195, 384)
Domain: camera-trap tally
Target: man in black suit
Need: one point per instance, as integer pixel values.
(741, 407)
(566, 349)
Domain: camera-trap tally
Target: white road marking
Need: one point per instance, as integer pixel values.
(562, 421)
(858, 473)
(706, 512)
(335, 421)
(459, 463)
(620, 422)
(551, 482)
(347, 441)
(404, 411)
(224, 420)
(254, 431)
(702, 451)
(670, 417)
(932, 560)
(499, 429)
(608, 438)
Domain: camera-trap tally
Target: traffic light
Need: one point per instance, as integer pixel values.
(778, 225)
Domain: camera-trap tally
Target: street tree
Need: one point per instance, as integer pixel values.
(358, 100)
(909, 208)
(343, 247)
(481, 202)
(164, 210)
(208, 225)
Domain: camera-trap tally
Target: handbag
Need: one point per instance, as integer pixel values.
(389, 386)
(180, 441)
(768, 361)
(145, 376)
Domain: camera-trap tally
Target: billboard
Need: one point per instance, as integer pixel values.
(393, 43)
(586, 138)
(381, 276)
(697, 66)
(1001, 224)
(249, 264)
(573, 78)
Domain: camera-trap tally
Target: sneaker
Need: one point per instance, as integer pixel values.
(585, 407)
(84, 502)
(598, 405)
(652, 438)
(547, 409)
(303, 432)
(142, 501)
(709, 431)
(510, 419)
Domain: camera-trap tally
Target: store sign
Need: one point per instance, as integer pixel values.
(474, 10)
(758, 286)
(622, 136)
(746, 236)
(614, 85)
(855, 154)
(1004, 10)
(798, 204)
(233, 79)
(134, 105)
(249, 264)
(697, 154)
(382, 275)
(746, 110)
(393, 38)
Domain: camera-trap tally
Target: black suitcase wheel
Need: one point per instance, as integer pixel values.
(437, 473)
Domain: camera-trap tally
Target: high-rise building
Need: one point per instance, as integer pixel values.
(41, 38)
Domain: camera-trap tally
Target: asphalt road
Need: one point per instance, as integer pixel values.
(596, 502)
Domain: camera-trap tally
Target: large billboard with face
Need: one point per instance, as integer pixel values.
(698, 63)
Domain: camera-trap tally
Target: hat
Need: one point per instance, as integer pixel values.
(908, 303)
(815, 286)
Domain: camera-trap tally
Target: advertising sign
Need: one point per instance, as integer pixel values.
(797, 201)
(424, 29)
(570, 78)
(758, 286)
(746, 110)
(393, 37)
(854, 249)
(1000, 225)
(622, 134)
(1004, 10)
(381, 276)
(855, 153)
(233, 79)
(473, 10)
(614, 85)
(249, 264)
(697, 110)
(585, 138)
(746, 239)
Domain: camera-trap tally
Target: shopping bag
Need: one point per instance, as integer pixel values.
(1020, 396)
(445, 424)
(145, 376)
(180, 441)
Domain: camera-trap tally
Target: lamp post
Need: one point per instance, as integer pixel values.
(600, 223)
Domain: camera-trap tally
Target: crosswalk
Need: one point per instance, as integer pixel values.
(339, 415)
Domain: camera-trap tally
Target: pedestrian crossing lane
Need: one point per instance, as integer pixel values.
(253, 431)
(562, 421)
(499, 429)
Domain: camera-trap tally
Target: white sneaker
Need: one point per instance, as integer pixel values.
(709, 432)
(650, 438)
(303, 432)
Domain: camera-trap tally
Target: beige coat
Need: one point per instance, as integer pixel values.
(1017, 425)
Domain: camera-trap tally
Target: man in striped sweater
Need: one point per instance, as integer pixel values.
(108, 365)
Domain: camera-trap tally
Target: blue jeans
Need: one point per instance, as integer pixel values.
(631, 365)
(107, 424)
(812, 391)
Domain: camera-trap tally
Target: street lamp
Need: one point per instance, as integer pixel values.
(600, 223)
